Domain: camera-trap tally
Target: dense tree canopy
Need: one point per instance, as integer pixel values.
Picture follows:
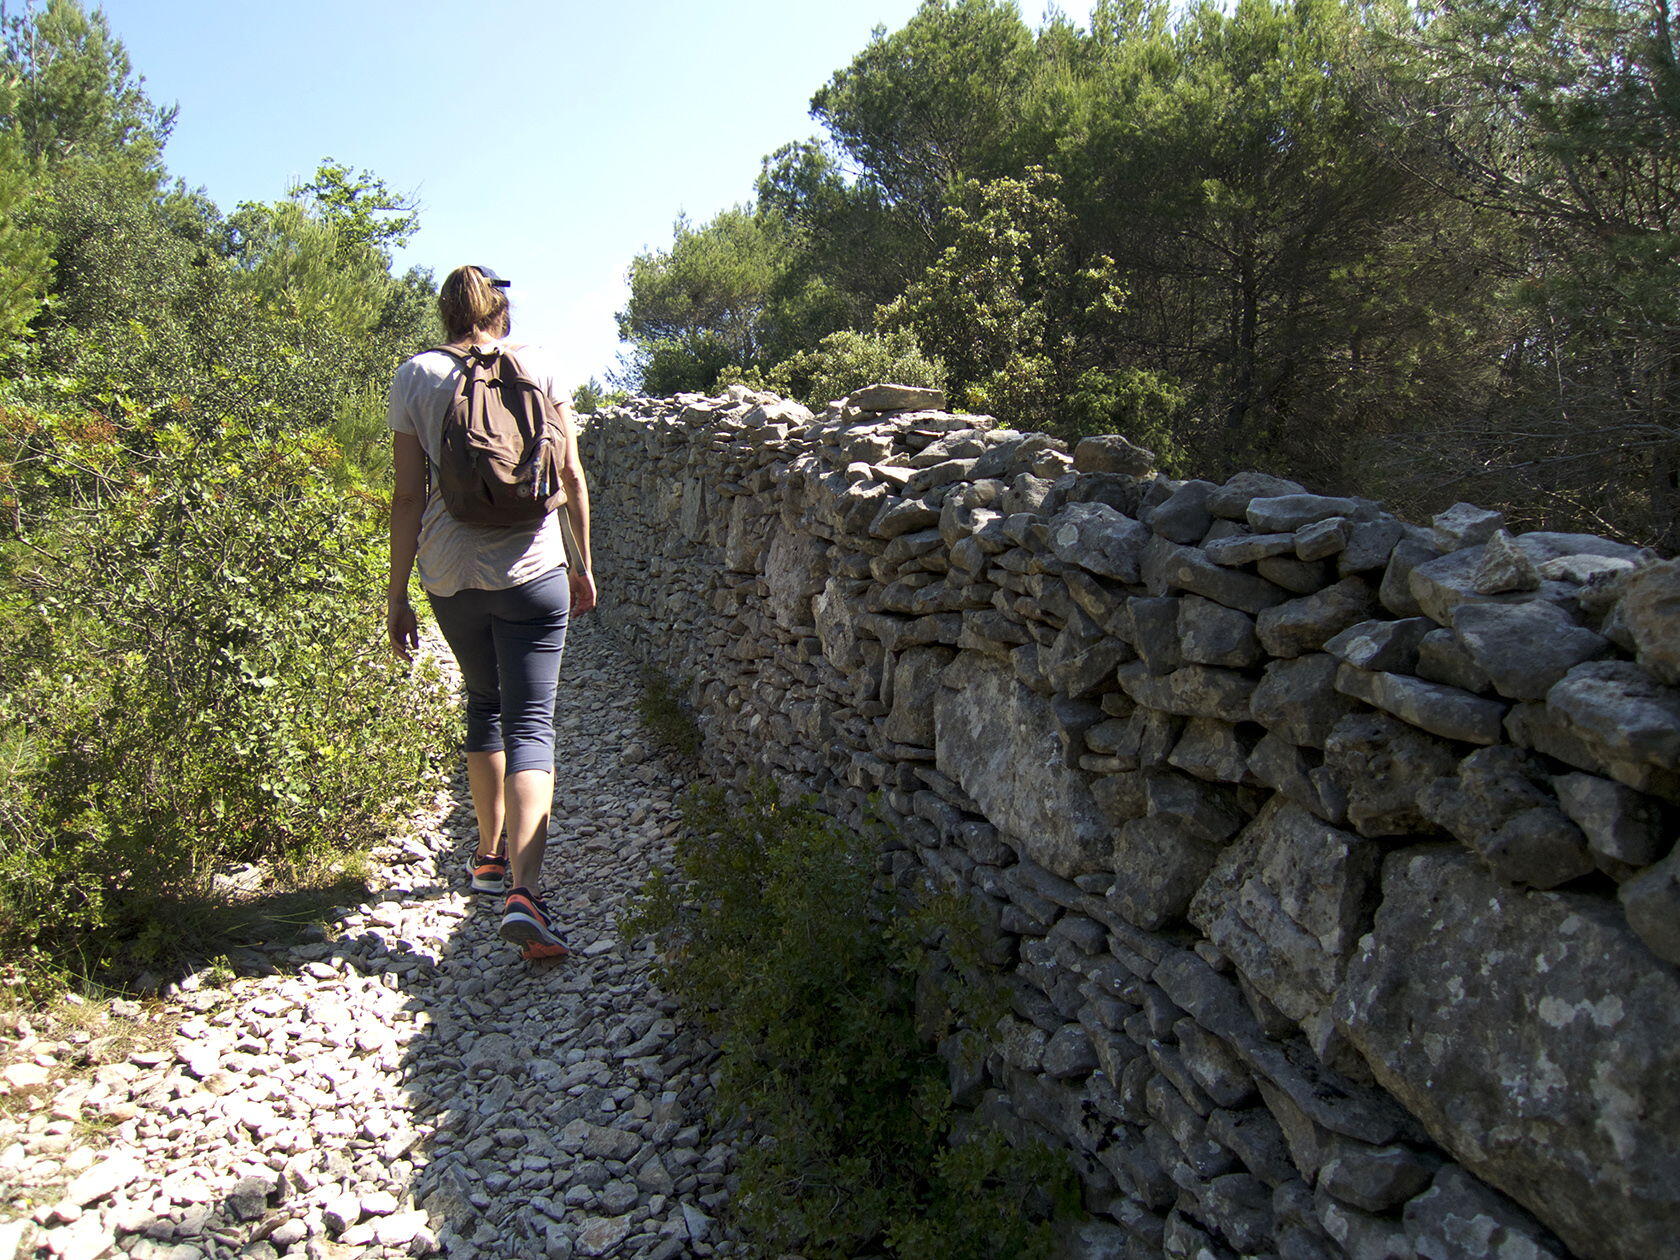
(192, 444)
(1561, 120)
(1414, 251)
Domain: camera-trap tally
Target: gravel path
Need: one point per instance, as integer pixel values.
(408, 1086)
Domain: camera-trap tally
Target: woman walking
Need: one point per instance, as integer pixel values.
(502, 595)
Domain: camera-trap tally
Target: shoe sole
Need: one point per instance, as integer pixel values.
(534, 940)
(486, 884)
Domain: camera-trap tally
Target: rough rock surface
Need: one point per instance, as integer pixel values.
(1179, 728)
(1651, 611)
(1490, 1014)
(896, 398)
(1286, 902)
(997, 740)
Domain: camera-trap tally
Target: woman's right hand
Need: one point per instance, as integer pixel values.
(582, 583)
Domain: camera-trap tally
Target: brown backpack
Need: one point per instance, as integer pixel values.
(500, 452)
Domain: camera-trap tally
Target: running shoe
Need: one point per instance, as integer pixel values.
(488, 872)
(526, 923)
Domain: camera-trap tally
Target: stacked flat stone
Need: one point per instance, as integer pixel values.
(1329, 857)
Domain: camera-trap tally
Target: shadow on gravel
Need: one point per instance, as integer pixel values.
(563, 1104)
(410, 1086)
(185, 937)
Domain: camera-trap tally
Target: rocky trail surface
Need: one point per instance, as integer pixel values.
(404, 1084)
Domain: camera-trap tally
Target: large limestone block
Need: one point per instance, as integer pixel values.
(1099, 539)
(1465, 525)
(915, 686)
(1289, 512)
(1535, 1038)
(1383, 765)
(1189, 569)
(1000, 742)
(1286, 903)
(1111, 453)
(836, 612)
(694, 509)
(1158, 866)
(1183, 516)
(1189, 691)
(1304, 625)
(1082, 659)
(1230, 502)
(795, 570)
(1379, 644)
(1524, 648)
(1459, 1218)
(1651, 611)
(1652, 902)
(743, 545)
(1298, 700)
(1211, 634)
(1442, 658)
(1440, 585)
(1624, 828)
(1438, 709)
(1622, 711)
(889, 397)
(1499, 806)
(1010, 454)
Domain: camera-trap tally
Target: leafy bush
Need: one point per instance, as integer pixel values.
(192, 671)
(192, 666)
(1146, 407)
(666, 716)
(842, 362)
(591, 396)
(777, 936)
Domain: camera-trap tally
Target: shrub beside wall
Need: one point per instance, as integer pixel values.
(1330, 855)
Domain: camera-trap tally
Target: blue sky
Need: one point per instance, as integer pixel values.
(551, 141)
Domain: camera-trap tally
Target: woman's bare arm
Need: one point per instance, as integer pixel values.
(408, 501)
(577, 514)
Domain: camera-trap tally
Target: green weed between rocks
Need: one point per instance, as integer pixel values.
(665, 715)
(775, 933)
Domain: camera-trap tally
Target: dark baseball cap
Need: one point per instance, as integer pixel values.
(490, 276)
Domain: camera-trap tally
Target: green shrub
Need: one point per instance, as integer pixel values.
(842, 362)
(192, 671)
(665, 715)
(591, 396)
(1146, 407)
(775, 934)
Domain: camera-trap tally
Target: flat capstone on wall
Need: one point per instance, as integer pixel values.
(1329, 857)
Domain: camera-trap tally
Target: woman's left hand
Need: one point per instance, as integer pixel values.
(583, 591)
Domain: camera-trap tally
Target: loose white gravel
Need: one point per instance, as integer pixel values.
(409, 1086)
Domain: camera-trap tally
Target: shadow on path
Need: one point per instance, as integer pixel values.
(410, 1086)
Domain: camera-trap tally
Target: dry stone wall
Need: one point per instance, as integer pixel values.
(1330, 857)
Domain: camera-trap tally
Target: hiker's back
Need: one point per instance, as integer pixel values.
(456, 554)
(499, 449)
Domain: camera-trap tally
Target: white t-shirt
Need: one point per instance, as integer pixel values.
(455, 556)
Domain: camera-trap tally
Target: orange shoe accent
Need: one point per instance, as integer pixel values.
(525, 922)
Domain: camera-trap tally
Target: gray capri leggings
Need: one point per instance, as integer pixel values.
(508, 644)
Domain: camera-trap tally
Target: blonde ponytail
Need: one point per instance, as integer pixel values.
(468, 303)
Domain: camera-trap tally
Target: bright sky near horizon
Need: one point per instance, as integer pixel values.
(549, 139)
